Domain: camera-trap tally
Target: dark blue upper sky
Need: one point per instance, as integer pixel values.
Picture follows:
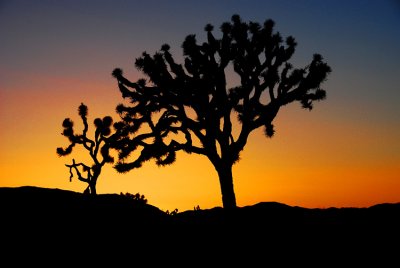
(357, 37)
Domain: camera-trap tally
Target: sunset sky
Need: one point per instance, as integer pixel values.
(344, 153)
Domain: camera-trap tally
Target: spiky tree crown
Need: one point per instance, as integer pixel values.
(102, 132)
(256, 51)
(260, 57)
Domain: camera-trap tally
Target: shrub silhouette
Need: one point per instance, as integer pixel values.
(140, 199)
(172, 213)
(98, 148)
(194, 107)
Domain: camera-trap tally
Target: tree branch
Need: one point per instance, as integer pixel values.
(75, 166)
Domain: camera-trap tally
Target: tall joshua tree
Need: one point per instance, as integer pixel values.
(98, 147)
(194, 101)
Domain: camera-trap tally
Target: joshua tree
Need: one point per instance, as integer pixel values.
(193, 101)
(100, 145)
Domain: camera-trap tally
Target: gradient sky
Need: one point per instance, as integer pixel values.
(344, 153)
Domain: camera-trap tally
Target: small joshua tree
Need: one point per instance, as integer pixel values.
(100, 145)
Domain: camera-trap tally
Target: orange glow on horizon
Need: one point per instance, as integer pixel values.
(307, 163)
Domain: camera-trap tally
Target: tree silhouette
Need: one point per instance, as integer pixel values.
(99, 146)
(194, 101)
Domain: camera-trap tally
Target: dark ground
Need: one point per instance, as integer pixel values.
(50, 223)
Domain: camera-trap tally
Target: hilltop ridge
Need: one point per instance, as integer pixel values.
(70, 226)
(37, 202)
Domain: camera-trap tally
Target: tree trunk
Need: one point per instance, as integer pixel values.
(93, 182)
(226, 183)
(92, 187)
